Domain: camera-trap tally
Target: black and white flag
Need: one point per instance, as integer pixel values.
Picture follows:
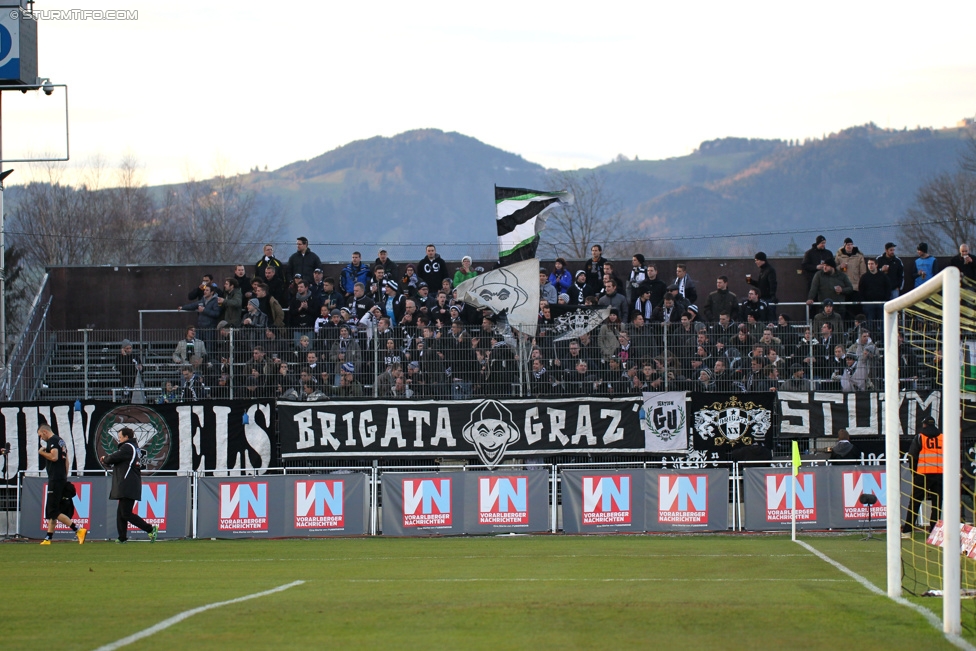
(571, 321)
(520, 217)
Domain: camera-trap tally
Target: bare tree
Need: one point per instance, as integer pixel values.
(944, 212)
(215, 220)
(92, 224)
(595, 217)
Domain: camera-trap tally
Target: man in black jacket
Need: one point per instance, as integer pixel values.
(432, 269)
(815, 258)
(765, 283)
(594, 270)
(891, 265)
(874, 287)
(303, 261)
(127, 484)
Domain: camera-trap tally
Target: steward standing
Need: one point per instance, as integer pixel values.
(127, 485)
(926, 454)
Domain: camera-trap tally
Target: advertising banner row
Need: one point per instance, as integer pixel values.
(269, 507)
(165, 502)
(451, 503)
(240, 437)
(661, 500)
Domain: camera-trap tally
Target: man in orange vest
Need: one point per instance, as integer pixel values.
(926, 454)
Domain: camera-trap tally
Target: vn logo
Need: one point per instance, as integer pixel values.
(683, 499)
(244, 506)
(503, 500)
(779, 497)
(151, 507)
(82, 508)
(427, 502)
(606, 500)
(318, 504)
(858, 482)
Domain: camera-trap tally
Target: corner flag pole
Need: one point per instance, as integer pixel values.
(796, 471)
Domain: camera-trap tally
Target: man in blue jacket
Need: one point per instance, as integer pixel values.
(926, 266)
(354, 272)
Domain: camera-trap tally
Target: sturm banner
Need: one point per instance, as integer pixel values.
(821, 413)
(238, 437)
(488, 429)
(724, 421)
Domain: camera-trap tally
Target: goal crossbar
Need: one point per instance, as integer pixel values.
(948, 283)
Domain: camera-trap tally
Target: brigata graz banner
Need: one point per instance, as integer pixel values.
(488, 429)
(206, 436)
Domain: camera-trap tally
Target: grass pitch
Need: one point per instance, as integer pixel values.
(458, 593)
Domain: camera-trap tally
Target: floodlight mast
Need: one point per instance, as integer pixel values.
(42, 84)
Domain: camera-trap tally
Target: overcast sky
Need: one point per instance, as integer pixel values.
(187, 88)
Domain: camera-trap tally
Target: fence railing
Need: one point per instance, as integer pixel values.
(27, 360)
(172, 364)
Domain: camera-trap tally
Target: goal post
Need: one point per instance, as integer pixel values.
(947, 283)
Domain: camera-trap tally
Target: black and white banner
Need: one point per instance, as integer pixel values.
(488, 429)
(220, 435)
(664, 418)
(821, 413)
(725, 421)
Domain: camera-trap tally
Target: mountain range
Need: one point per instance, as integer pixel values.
(729, 197)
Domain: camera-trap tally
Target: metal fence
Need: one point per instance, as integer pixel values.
(461, 361)
(32, 351)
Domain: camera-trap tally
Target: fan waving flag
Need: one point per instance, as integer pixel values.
(521, 216)
(512, 290)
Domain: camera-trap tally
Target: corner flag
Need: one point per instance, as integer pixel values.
(796, 459)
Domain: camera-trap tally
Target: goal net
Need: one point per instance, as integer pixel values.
(930, 340)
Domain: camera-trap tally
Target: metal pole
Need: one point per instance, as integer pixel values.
(374, 505)
(951, 622)
(892, 454)
(555, 495)
(85, 331)
(230, 379)
(3, 257)
(666, 386)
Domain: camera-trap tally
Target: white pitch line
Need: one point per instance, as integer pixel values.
(929, 616)
(586, 580)
(176, 619)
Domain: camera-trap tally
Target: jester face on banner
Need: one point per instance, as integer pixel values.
(491, 430)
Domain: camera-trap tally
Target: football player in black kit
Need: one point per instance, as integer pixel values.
(55, 452)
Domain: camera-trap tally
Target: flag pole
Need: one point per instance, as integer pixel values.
(796, 472)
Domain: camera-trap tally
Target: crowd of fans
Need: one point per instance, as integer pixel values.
(398, 331)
